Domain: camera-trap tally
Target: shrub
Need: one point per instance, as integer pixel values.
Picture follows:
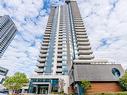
(85, 84)
(123, 82)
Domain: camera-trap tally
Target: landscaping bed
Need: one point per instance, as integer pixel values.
(119, 93)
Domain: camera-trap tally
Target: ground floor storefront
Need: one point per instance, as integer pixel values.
(48, 84)
(43, 86)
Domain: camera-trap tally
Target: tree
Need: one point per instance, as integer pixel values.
(86, 84)
(16, 81)
(123, 81)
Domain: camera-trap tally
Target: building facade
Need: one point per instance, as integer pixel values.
(7, 32)
(66, 57)
(3, 73)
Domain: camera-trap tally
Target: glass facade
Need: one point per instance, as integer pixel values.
(42, 86)
(7, 32)
(3, 73)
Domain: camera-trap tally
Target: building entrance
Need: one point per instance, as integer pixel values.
(43, 86)
(42, 89)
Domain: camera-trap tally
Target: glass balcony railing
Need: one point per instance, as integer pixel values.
(49, 61)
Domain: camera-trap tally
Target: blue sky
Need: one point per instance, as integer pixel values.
(105, 21)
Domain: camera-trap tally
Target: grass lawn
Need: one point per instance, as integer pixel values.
(118, 93)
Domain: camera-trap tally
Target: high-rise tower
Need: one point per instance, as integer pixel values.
(66, 54)
(7, 32)
(65, 39)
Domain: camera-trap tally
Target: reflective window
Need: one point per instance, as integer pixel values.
(116, 72)
(64, 57)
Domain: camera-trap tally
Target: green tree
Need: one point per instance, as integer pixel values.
(123, 81)
(86, 84)
(15, 82)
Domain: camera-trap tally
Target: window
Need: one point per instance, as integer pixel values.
(64, 44)
(64, 57)
(64, 62)
(64, 53)
(116, 72)
(64, 49)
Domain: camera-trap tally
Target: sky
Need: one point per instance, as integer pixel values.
(105, 22)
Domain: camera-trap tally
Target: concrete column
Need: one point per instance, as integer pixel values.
(49, 88)
(36, 89)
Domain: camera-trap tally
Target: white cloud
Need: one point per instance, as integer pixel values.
(106, 19)
(24, 49)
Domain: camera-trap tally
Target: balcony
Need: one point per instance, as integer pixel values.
(85, 52)
(47, 35)
(82, 40)
(49, 25)
(47, 29)
(59, 60)
(80, 30)
(82, 36)
(46, 40)
(78, 21)
(39, 70)
(59, 54)
(42, 60)
(60, 37)
(60, 43)
(84, 57)
(60, 32)
(79, 27)
(83, 43)
(59, 64)
(82, 61)
(45, 44)
(59, 70)
(40, 65)
(79, 24)
(60, 40)
(78, 18)
(43, 55)
(60, 50)
(43, 51)
(84, 47)
(81, 33)
(60, 47)
(44, 47)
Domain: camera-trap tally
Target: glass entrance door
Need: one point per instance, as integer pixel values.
(42, 89)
